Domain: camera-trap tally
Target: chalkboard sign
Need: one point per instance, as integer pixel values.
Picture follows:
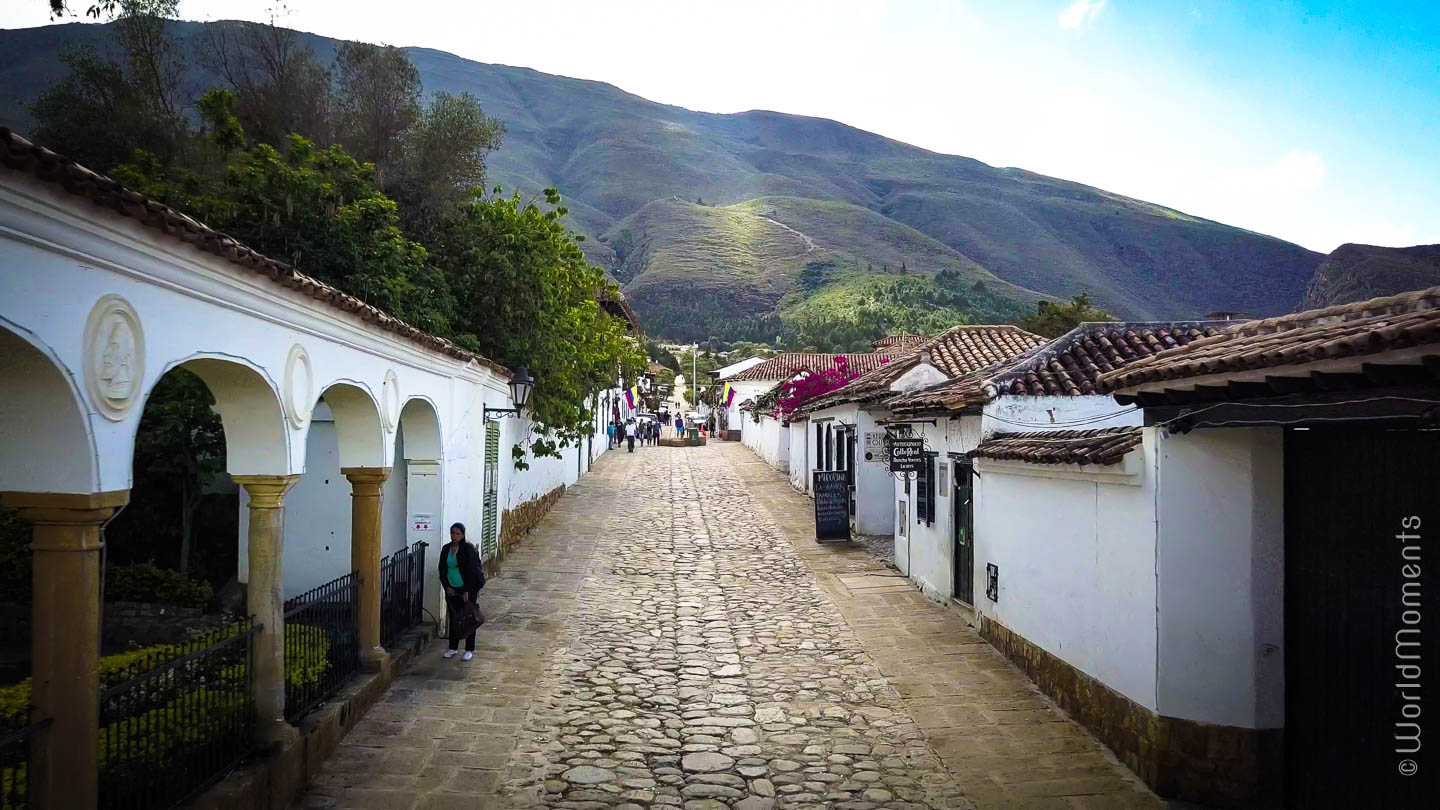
(832, 505)
(907, 455)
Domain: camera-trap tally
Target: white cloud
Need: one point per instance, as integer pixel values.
(1081, 12)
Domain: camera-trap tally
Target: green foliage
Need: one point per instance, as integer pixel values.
(146, 582)
(1055, 319)
(320, 210)
(15, 573)
(526, 296)
(517, 456)
(444, 159)
(377, 99)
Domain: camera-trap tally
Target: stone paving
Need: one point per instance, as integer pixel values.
(671, 636)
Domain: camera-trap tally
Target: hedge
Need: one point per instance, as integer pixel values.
(148, 582)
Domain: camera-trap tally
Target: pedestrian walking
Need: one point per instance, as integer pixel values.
(679, 427)
(463, 577)
(630, 436)
(610, 431)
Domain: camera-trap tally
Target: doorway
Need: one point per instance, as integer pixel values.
(1355, 516)
(963, 532)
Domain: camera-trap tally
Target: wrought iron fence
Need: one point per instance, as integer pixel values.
(402, 591)
(321, 649)
(15, 765)
(181, 720)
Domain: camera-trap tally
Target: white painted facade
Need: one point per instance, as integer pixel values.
(95, 308)
(744, 390)
(799, 472)
(1162, 577)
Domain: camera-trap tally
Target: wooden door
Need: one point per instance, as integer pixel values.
(1360, 508)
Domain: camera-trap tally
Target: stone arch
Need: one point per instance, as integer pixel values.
(420, 430)
(256, 439)
(357, 425)
(46, 442)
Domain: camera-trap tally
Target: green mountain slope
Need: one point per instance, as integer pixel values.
(612, 154)
(1357, 272)
(729, 271)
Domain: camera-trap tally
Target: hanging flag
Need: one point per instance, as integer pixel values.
(630, 398)
(729, 394)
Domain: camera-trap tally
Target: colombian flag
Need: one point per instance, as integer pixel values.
(729, 394)
(630, 397)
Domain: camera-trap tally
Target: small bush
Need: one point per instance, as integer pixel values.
(148, 582)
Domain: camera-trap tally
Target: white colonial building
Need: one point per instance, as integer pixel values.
(350, 433)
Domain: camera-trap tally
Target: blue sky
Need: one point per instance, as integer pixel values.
(1314, 122)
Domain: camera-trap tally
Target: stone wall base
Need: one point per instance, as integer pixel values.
(272, 781)
(516, 523)
(682, 443)
(1220, 766)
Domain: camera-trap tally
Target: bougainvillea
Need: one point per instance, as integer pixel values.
(802, 389)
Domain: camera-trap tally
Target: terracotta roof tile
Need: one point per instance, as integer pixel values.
(956, 351)
(1361, 329)
(1101, 446)
(894, 342)
(19, 154)
(1070, 365)
(787, 365)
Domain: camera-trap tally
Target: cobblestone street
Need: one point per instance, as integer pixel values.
(670, 635)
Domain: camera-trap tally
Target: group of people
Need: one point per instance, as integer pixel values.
(644, 431)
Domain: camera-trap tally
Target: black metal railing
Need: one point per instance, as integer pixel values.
(321, 649)
(181, 720)
(15, 765)
(402, 592)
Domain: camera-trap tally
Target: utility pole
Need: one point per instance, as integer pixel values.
(694, 393)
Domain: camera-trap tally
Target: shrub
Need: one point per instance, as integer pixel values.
(147, 582)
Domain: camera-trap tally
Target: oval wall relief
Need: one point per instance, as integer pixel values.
(114, 357)
(390, 401)
(299, 387)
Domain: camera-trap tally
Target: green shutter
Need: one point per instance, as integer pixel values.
(488, 545)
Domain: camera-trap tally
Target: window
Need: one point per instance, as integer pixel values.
(819, 447)
(925, 492)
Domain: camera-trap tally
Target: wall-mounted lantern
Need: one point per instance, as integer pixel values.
(521, 384)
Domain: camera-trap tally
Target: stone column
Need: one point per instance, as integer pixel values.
(65, 674)
(265, 599)
(365, 484)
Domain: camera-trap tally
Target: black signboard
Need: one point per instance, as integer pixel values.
(907, 455)
(832, 505)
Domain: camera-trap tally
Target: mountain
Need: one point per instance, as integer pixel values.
(784, 192)
(1358, 272)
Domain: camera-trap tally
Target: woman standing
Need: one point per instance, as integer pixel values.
(463, 577)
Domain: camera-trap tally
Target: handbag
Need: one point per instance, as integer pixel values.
(467, 619)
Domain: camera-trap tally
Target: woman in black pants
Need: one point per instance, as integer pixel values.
(463, 577)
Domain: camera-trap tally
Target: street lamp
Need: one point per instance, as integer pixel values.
(521, 384)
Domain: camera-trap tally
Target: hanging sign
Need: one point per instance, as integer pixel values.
(907, 455)
(422, 522)
(832, 505)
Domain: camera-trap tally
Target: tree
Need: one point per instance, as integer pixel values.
(280, 87)
(180, 447)
(377, 100)
(1053, 320)
(443, 159)
(319, 210)
(102, 110)
(526, 296)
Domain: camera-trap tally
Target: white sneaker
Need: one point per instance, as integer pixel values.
(450, 653)
(467, 656)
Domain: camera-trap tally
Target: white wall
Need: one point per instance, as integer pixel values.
(874, 486)
(1076, 564)
(1019, 414)
(1221, 576)
(799, 453)
(929, 548)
